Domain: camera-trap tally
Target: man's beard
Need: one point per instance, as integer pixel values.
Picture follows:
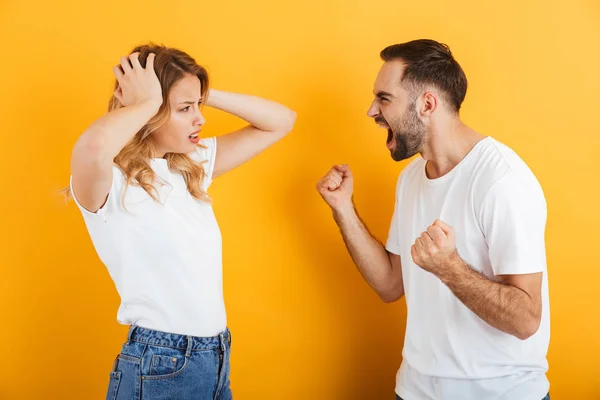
(409, 133)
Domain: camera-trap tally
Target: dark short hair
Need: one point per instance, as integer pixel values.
(428, 62)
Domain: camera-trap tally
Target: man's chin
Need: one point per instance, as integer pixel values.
(401, 156)
(397, 157)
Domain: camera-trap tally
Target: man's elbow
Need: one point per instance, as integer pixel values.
(390, 296)
(528, 328)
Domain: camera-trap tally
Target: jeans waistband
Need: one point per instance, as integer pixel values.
(176, 341)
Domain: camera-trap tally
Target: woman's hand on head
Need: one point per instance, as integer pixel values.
(136, 83)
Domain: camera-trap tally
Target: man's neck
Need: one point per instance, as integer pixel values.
(447, 144)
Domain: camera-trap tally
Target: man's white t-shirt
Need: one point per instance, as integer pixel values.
(497, 208)
(164, 258)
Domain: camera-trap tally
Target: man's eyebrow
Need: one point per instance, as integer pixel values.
(383, 93)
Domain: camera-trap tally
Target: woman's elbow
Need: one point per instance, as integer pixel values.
(288, 122)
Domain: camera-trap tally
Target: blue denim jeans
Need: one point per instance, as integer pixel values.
(157, 365)
(545, 398)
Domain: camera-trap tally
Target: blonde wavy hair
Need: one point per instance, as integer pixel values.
(170, 65)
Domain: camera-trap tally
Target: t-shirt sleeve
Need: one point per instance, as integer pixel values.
(109, 206)
(393, 241)
(206, 153)
(513, 219)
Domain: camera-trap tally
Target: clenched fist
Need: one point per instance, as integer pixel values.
(435, 248)
(337, 186)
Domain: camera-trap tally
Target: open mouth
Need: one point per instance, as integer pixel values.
(194, 138)
(384, 125)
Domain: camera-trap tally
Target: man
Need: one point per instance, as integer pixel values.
(466, 242)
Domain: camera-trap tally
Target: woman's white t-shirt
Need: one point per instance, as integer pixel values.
(164, 257)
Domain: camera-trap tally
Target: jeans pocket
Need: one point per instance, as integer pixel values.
(163, 363)
(113, 385)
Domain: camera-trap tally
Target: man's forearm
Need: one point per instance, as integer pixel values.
(368, 253)
(502, 306)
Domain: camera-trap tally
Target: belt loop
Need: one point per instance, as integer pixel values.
(188, 350)
(130, 333)
(116, 363)
(222, 340)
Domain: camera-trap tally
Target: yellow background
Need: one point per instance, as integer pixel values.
(305, 325)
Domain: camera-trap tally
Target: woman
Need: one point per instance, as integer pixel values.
(139, 176)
